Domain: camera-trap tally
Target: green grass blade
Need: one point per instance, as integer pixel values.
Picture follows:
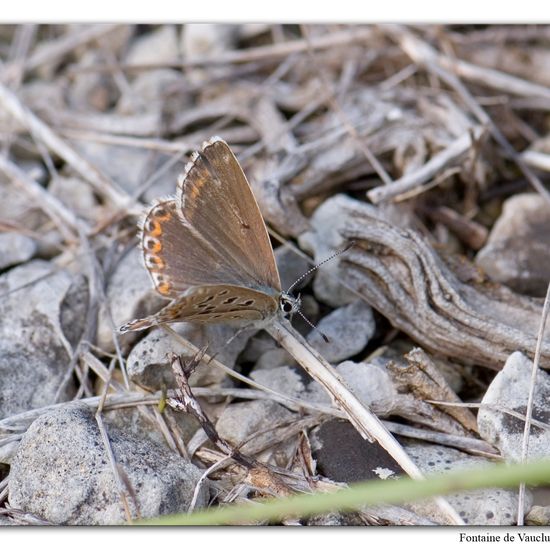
(362, 494)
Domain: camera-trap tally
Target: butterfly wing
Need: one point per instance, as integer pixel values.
(177, 257)
(217, 204)
(212, 304)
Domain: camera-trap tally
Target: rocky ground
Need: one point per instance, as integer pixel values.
(425, 146)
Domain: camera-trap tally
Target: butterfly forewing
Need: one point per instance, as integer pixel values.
(216, 201)
(177, 257)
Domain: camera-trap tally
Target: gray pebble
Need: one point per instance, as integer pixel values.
(130, 294)
(517, 252)
(369, 382)
(538, 515)
(14, 207)
(479, 507)
(6, 521)
(126, 166)
(291, 267)
(288, 381)
(77, 195)
(134, 423)
(510, 388)
(62, 473)
(239, 421)
(157, 47)
(273, 358)
(323, 240)
(15, 249)
(41, 319)
(149, 363)
(91, 90)
(348, 328)
(207, 39)
(146, 92)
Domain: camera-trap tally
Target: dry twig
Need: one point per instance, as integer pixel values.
(361, 417)
(453, 314)
(259, 474)
(452, 154)
(424, 55)
(41, 132)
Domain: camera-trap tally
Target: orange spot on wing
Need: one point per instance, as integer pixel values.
(156, 248)
(163, 217)
(157, 262)
(155, 228)
(195, 190)
(164, 288)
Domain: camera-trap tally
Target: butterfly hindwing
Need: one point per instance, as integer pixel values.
(212, 304)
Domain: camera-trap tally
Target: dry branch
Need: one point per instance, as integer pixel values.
(43, 133)
(271, 52)
(399, 274)
(66, 44)
(423, 54)
(368, 425)
(451, 154)
(64, 219)
(184, 401)
(431, 384)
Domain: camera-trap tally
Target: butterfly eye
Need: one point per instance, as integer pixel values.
(289, 304)
(287, 307)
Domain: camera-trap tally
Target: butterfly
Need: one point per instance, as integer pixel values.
(208, 249)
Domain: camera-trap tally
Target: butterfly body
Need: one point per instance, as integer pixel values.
(208, 249)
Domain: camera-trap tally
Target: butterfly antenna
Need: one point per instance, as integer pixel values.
(317, 266)
(325, 337)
